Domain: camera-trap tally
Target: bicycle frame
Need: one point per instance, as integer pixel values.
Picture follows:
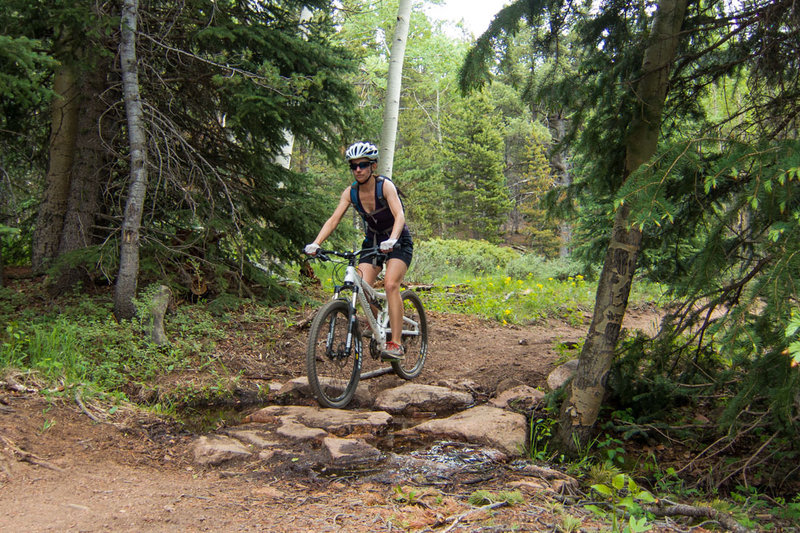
(361, 291)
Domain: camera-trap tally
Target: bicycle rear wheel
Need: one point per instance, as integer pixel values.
(415, 337)
(333, 370)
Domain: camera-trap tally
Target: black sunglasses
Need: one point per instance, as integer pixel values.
(363, 164)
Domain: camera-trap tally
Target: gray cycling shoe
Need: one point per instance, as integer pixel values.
(393, 352)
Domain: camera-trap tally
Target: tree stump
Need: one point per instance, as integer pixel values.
(158, 308)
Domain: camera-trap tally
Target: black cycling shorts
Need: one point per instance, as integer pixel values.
(403, 250)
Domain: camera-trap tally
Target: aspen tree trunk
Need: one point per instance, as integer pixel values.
(125, 289)
(391, 108)
(586, 391)
(284, 158)
(63, 131)
(558, 161)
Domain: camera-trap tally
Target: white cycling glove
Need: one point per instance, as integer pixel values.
(311, 249)
(388, 245)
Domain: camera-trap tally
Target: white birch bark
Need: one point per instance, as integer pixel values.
(391, 109)
(284, 158)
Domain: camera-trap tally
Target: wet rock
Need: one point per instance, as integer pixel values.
(519, 398)
(562, 374)
(484, 424)
(299, 387)
(336, 421)
(417, 397)
(350, 452)
(216, 450)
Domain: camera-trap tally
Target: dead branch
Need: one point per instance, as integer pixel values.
(84, 409)
(22, 455)
(11, 383)
(548, 474)
(724, 519)
(465, 514)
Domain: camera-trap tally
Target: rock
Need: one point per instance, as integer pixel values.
(520, 398)
(462, 384)
(216, 450)
(562, 374)
(506, 384)
(414, 396)
(350, 452)
(291, 429)
(484, 425)
(251, 436)
(267, 455)
(299, 387)
(337, 421)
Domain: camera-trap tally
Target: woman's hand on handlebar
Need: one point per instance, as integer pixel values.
(311, 249)
(388, 245)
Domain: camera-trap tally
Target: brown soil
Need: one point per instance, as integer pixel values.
(62, 471)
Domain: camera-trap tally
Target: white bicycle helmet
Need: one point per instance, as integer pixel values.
(362, 149)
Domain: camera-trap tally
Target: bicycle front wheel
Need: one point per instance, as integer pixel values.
(415, 337)
(333, 369)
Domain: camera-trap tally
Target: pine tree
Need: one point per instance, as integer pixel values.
(473, 151)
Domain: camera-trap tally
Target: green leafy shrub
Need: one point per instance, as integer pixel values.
(439, 258)
(560, 268)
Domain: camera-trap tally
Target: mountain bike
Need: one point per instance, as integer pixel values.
(357, 312)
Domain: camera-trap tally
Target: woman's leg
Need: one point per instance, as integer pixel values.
(369, 272)
(395, 272)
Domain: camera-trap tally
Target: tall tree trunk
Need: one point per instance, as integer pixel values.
(86, 181)
(558, 162)
(63, 132)
(125, 289)
(586, 391)
(391, 108)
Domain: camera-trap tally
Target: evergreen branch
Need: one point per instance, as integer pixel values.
(256, 78)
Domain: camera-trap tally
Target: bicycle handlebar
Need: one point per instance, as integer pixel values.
(322, 255)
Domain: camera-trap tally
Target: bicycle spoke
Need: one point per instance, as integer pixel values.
(415, 337)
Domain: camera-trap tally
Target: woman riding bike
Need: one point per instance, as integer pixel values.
(377, 201)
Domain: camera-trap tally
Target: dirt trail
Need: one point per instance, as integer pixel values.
(61, 471)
